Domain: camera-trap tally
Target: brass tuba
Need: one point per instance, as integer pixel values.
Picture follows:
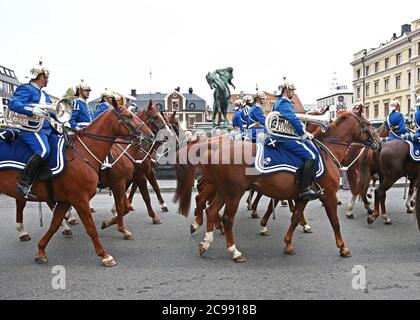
(62, 110)
(278, 126)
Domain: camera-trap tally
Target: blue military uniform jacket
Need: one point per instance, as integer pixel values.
(81, 116)
(101, 109)
(285, 107)
(256, 121)
(416, 137)
(236, 119)
(395, 124)
(22, 100)
(245, 121)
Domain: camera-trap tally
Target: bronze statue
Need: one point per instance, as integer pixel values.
(220, 81)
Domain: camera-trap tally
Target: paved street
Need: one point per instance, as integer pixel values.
(163, 261)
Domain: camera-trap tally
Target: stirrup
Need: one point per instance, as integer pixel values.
(26, 191)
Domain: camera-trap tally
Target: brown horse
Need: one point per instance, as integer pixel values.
(348, 128)
(395, 162)
(77, 184)
(116, 177)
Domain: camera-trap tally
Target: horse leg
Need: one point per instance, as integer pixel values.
(212, 213)
(58, 216)
(200, 203)
(132, 192)
(254, 207)
(228, 218)
(83, 210)
(120, 202)
(152, 179)
(330, 205)
(350, 206)
(298, 211)
(305, 226)
(366, 203)
(409, 203)
(66, 229)
(142, 184)
(380, 196)
(264, 220)
(23, 235)
(249, 199)
(71, 219)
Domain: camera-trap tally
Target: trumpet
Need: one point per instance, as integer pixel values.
(63, 111)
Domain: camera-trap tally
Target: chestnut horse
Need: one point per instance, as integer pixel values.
(350, 127)
(78, 183)
(116, 178)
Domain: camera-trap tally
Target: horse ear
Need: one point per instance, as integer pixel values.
(150, 103)
(115, 103)
(326, 109)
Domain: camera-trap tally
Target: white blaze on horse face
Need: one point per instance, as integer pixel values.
(236, 253)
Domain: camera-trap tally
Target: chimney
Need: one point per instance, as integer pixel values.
(177, 89)
(134, 93)
(190, 90)
(405, 28)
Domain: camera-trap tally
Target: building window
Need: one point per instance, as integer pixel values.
(386, 84)
(397, 82)
(191, 120)
(358, 74)
(398, 59)
(418, 74)
(367, 90)
(377, 87)
(418, 49)
(192, 106)
(367, 71)
(175, 105)
(367, 111)
(386, 107)
(376, 111)
(376, 67)
(159, 106)
(357, 93)
(409, 53)
(409, 78)
(386, 63)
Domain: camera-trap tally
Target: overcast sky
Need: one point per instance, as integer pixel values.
(115, 43)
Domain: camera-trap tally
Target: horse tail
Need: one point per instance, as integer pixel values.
(364, 174)
(185, 174)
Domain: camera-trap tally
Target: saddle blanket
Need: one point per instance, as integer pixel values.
(271, 160)
(414, 150)
(15, 155)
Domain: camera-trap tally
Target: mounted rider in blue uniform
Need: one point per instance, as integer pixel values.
(246, 109)
(416, 136)
(303, 147)
(81, 116)
(236, 120)
(106, 103)
(256, 116)
(395, 122)
(28, 99)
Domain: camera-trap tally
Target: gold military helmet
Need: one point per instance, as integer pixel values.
(39, 69)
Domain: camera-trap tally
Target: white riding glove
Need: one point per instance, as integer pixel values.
(37, 111)
(307, 135)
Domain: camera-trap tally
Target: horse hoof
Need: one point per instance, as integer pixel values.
(41, 259)
(388, 221)
(284, 204)
(72, 222)
(370, 212)
(370, 220)
(345, 253)
(339, 203)
(192, 229)
(264, 233)
(410, 211)
(164, 208)
(307, 229)
(290, 250)
(25, 237)
(67, 233)
(156, 221)
(241, 258)
(202, 249)
(109, 262)
(350, 216)
(104, 225)
(92, 210)
(129, 237)
(369, 196)
(255, 215)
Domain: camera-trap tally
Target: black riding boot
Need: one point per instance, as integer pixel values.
(306, 193)
(28, 176)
